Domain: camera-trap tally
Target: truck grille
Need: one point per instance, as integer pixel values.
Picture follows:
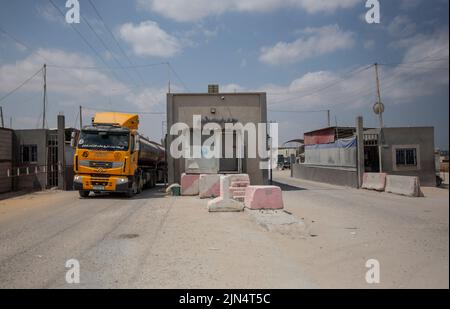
(99, 164)
(100, 181)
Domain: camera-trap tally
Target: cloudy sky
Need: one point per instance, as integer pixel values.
(308, 55)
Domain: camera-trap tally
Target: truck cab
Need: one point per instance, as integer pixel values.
(107, 156)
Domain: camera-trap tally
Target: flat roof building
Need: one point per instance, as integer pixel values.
(218, 108)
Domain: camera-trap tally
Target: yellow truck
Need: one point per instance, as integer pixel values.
(111, 156)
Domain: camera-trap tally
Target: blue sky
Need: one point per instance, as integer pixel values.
(307, 55)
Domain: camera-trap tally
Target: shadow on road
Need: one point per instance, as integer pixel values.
(286, 187)
(156, 192)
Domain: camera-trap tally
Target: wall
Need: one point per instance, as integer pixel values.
(423, 137)
(242, 107)
(31, 137)
(347, 177)
(6, 139)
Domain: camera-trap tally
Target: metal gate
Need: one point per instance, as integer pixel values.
(52, 160)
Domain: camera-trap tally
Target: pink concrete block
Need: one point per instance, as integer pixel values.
(190, 184)
(263, 197)
(209, 185)
(240, 183)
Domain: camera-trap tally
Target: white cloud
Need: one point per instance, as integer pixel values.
(148, 39)
(66, 81)
(193, 10)
(408, 82)
(314, 42)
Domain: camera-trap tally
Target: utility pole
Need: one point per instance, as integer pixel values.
(10, 122)
(45, 95)
(329, 119)
(379, 109)
(1, 115)
(168, 75)
(81, 118)
(379, 95)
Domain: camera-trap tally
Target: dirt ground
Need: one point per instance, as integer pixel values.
(153, 241)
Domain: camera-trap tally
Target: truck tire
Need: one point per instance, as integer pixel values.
(83, 193)
(134, 188)
(140, 184)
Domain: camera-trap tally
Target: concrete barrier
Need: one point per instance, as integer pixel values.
(374, 181)
(225, 203)
(237, 186)
(263, 197)
(403, 185)
(190, 184)
(209, 185)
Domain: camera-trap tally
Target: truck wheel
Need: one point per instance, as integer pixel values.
(140, 185)
(84, 194)
(134, 188)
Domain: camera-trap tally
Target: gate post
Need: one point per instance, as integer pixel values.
(61, 153)
(360, 149)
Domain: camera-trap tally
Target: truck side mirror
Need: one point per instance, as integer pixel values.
(73, 139)
(136, 143)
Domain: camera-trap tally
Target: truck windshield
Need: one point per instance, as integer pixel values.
(103, 140)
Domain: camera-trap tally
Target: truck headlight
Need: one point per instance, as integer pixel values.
(84, 163)
(117, 164)
(121, 181)
(78, 179)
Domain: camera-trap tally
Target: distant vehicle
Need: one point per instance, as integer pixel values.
(287, 163)
(111, 156)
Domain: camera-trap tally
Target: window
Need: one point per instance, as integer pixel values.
(406, 157)
(28, 153)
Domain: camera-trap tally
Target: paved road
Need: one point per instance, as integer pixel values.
(408, 236)
(150, 241)
(153, 241)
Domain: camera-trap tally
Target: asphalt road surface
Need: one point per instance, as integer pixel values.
(153, 241)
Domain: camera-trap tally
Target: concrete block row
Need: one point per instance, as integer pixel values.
(374, 181)
(402, 185)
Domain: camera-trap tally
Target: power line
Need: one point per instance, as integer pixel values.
(48, 60)
(414, 62)
(21, 85)
(123, 67)
(83, 38)
(327, 86)
(128, 112)
(178, 76)
(104, 44)
(116, 41)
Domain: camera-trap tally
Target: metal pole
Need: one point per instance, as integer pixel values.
(329, 119)
(360, 149)
(379, 95)
(45, 95)
(1, 114)
(380, 115)
(81, 118)
(168, 75)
